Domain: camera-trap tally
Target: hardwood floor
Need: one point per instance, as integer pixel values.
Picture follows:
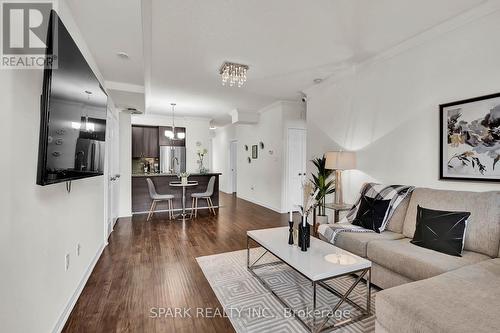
(150, 265)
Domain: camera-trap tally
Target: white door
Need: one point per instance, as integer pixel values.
(233, 157)
(112, 171)
(296, 153)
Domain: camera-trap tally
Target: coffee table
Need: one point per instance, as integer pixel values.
(323, 261)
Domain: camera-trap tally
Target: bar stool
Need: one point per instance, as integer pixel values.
(155, 197)
(207, 195)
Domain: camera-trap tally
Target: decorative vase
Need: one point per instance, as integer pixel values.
(304, 234)
(202, 168)
(184, 180)
(300, 238)
(308, 235)
(290, 233)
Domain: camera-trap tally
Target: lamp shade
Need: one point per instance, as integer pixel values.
(340, 160)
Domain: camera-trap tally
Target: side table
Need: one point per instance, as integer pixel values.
(337, 209)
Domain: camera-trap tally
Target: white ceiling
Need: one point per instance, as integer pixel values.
(286, 43)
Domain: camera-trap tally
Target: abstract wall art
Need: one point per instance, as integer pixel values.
(470, 139)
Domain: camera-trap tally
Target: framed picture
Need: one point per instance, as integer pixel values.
(470, 139)
(255, 151)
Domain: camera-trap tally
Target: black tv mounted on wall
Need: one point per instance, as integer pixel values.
(73, 113)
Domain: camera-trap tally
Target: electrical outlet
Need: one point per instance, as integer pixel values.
(66, 262)
(78, 249)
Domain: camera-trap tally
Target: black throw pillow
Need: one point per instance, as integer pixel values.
(371, 213)
(441, 231)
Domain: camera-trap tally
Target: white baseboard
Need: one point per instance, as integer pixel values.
(72, 301)
(257, 202)
(178, 210)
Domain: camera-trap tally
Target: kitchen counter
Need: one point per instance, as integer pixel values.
(141, 201)
(152, 174)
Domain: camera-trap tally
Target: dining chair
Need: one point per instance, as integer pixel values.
(207, 195)
(155, 197)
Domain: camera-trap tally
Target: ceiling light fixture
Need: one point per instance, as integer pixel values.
(171, 133)
(211, 125)
(233, 73)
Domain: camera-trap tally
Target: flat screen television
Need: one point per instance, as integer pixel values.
(73, 113)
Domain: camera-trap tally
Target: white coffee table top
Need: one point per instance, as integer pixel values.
(321, 261)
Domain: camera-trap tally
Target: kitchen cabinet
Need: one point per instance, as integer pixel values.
(151, 146)
(145, 142)
(137, 138)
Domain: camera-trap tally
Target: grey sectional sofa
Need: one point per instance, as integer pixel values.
(428, 291)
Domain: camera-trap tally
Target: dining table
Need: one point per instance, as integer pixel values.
(182, 216)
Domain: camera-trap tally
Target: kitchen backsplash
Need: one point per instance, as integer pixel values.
(138, 164)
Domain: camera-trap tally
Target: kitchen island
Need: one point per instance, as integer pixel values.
(141, 201)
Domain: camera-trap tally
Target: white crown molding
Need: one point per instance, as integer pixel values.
(144, 117)
(122, 86)
(280, 102)
(480, 11)
(471, 15)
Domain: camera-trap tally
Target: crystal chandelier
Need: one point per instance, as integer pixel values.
(233, 73)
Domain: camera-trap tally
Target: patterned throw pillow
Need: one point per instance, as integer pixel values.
(440, 230)
(371, 213)
(394, 193)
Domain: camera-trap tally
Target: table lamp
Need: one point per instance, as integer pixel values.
(340, 161)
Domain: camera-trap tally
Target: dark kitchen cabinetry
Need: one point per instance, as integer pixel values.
(145, 142)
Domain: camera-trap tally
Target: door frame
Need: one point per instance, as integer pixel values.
(287, 164)
(111, 170)
(233, 157)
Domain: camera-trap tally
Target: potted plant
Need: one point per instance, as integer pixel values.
(324, 185)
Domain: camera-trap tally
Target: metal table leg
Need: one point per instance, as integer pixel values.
(182, 215)
(343, 297)
(184, 201)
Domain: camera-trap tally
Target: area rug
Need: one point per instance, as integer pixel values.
(251, 308)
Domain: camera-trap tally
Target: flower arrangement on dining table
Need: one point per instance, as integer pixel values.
(183, 176)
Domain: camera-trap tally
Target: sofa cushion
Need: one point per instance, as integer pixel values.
(464, 300)
(483, 226)
(395, 223)
(441, 231)
(415, 262)
(355, 242)
(371, 213)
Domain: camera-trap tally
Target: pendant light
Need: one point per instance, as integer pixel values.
(171, 133)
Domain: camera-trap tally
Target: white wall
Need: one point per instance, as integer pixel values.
(260, 180)
(221, 156)
(263, 181)
(388, 109)
(39, 225)
(197, 130)
(125, 205)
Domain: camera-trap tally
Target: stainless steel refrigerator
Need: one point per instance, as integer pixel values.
(89, 155)
(172, 159)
